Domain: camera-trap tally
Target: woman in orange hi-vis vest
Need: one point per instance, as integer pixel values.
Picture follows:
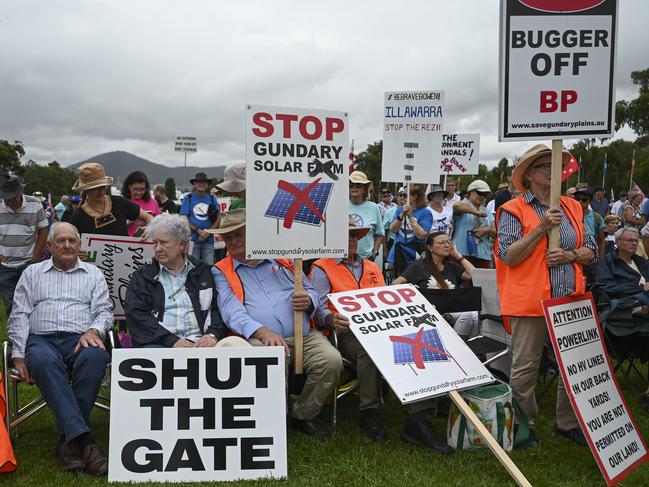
(528, 272)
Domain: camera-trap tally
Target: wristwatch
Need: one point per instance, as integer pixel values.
(211, 335)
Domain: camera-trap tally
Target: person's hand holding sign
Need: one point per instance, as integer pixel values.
(301, 301)
(551, 219)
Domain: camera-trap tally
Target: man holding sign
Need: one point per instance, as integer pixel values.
(528, 272)
(257, 300)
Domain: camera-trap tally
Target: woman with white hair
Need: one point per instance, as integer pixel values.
(171, 301)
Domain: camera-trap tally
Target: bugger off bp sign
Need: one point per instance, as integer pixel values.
(557, 68)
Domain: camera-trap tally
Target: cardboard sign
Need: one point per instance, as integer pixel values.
(296, 168)
(460, 154)
(557, 69)
(197, 414)
(117, 258)
(412, 136)
(604, 417)
(418, 353)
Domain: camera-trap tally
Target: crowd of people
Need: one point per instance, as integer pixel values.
(59, 313)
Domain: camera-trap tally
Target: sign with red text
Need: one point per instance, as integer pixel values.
(117, 258)
(412, 136)
(297, 182)
(460, 154)
(197, 414)
(557, 69)
(416, 350)
(603, 414)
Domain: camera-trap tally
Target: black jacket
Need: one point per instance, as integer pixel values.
(617, 278)
(145, 304)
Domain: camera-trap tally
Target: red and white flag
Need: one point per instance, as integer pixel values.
(352, 163)
(570, 168)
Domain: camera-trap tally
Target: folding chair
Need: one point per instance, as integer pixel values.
(17, 413)
(346, 386)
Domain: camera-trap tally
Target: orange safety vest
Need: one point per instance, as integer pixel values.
(522, 287)
(226, 266)
(7, 458)
(342, 279)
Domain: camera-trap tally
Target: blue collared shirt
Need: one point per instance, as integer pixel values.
(179, 317)
(268, 289)
(49, 300)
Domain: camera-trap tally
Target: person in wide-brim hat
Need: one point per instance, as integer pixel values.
(358, 232)
(234, 178)
(201, 177)
(539, 150)
(230, 221)
(91, 175)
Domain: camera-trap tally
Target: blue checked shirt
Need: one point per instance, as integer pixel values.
(179, 317)
(48, 300)
(562, 277)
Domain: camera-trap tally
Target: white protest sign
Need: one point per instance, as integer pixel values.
(412, 136)
(199, 414)
(185, 144)
(557, 69)
(604, 417)
(296, 169)
(460, 154)
(418, 353)
(117, 258)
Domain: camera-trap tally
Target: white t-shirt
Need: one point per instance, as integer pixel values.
(452, 201)
(442, 221)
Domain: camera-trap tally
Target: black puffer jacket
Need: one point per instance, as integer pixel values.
(145, 304)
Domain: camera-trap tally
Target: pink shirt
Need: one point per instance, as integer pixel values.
(150, 206)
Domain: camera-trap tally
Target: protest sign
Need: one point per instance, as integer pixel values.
(460, 154)
(412, 136)
(418, 353)
(604, 417)
(557, 69)
(297, 171)
(185, 144)
(198, 414)
(117, 258)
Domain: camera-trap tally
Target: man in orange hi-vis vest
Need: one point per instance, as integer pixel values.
(528, 271)
(257, 300)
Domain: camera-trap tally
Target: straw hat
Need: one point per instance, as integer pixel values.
(230, 221)
(234, 178)
(539, 150)
(360, 232)
(91, 175)
(359, 177)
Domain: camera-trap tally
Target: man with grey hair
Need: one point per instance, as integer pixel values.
(171, 301)
(61, 314)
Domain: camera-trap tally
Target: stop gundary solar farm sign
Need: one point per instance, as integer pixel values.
(557, 68)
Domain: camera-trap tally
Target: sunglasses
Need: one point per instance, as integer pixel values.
(484, 194)
(546, 165)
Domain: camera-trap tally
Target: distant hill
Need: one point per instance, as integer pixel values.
(119, 164)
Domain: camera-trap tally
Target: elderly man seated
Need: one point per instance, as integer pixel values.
(61, 313)
(170, 301)
(258, 300)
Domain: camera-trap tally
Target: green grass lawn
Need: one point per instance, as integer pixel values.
(351, 460)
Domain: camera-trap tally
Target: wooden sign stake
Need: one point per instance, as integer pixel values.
(297, 320)
(555, 188)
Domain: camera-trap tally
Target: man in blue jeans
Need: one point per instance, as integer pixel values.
(61, 313)
(202, 211)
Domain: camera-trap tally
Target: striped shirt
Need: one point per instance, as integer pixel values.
(18, 230)
(179, 317)
(562, 277)
(48, 300)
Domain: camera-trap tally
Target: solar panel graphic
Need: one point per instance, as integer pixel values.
(300, 202)
(419, 347)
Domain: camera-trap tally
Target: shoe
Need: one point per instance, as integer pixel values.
(575, 435)
(372, 426)
(311, 428)
(69, 457)
(95, 461)
(422, 433)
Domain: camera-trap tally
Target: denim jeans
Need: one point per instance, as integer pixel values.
(204, 251)
(8, 279)
(51, 361)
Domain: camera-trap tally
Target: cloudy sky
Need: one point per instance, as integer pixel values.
(83, 77)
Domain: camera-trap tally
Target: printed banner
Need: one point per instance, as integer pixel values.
(460, 154)
(604, 417)
(197, 414)
(557, 69)
(417, 352)
(117, 258)
(412, 136)
(297, 171)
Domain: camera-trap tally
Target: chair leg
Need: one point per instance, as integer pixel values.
(335, 408)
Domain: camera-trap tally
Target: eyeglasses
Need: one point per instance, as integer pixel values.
(356, 185)
(630, 240)
(546, 166)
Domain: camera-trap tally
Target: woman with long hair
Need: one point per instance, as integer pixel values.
(137, 189)
(437, 271)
